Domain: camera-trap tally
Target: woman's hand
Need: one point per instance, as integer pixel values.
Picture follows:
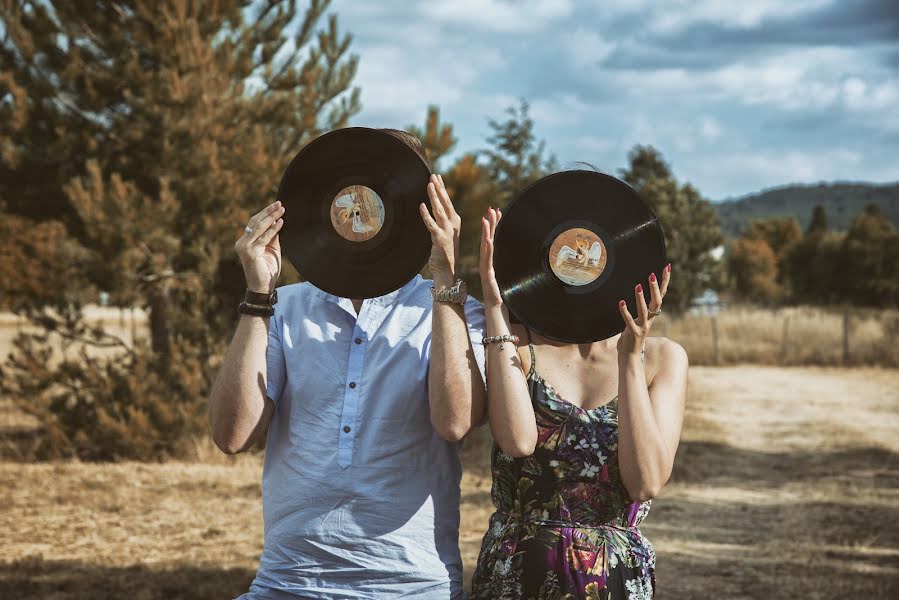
(260, 250)
(444, 228)
(492, 297)
(633, 338)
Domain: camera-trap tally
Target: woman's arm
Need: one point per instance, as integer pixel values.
(649, 418)
(509, 409)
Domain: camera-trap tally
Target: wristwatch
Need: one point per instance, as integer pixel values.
(258, 304)
(455, 295)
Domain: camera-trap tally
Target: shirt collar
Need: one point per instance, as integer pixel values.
(384, 300)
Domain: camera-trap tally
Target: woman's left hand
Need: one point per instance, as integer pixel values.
(633, 338)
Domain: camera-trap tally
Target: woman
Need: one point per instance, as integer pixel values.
(585, 437)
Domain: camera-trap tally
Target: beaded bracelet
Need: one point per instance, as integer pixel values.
(490, 339)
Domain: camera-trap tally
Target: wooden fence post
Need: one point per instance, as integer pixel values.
(715, 351)
(846, 337)
(785, 343)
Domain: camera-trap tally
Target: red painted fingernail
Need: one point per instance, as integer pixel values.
(669, 267)
(652, 277)
(621, 304)
(639, 288)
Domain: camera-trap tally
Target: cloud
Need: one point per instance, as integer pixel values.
(709, 129)
(497, 15)
(586, 47)
(682, 14)
(736, 96)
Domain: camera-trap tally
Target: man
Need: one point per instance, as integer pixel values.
(366, 402)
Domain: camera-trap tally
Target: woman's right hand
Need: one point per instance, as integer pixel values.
(492, 297)
(260, 250)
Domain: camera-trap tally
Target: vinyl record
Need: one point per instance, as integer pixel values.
(570, 247)
(351, 224)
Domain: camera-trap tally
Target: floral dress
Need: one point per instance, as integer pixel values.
(564, 526)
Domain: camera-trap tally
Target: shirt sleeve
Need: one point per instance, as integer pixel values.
(276, 369)
(474, 317)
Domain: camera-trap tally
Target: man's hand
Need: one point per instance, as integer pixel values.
(444, 228)
(260, 250)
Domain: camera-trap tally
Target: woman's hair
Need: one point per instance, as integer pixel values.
(411, 141)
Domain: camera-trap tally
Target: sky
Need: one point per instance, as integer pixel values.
(738, 96)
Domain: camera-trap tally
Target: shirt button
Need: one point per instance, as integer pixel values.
(358, 340)
(346, 429)
(352, 384)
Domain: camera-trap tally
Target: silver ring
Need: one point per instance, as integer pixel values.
(248, 229)
(657, 312)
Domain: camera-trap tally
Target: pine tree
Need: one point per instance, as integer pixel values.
(818, 224)
(870, 262)
(688, 220)
(436, 137)
(808, 265)
(152, 131)
(514, 157)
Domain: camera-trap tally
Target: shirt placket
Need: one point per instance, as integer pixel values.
(352, 394)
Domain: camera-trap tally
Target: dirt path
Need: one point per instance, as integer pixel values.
(786, 485)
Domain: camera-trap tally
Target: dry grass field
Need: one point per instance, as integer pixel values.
(791, 336)
(786, 486)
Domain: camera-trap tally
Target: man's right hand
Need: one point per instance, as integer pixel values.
(260, 250)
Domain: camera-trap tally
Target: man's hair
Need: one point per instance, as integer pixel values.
(411, 141)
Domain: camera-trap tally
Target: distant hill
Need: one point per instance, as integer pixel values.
(842, 201)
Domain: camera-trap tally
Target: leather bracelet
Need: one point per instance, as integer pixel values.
(245, 308)
(260, 298)
(501, 339)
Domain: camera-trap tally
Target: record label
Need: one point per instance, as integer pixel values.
(357, 213)
(577, 256)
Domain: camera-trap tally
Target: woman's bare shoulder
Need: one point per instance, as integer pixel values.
(665, 353)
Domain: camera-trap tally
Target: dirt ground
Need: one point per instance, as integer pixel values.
(786, 485)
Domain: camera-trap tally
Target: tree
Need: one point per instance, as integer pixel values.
(688, 220)
(808, 266)
(487, 178)
(818, 224)
(514, 157)
(152, 131)
(871, 260)
(753, 267)
(780, 233)
(436, 137)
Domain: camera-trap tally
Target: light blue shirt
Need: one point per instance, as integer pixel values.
(360, 495)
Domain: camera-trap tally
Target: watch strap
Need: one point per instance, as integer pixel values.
(457, 294)
(256, 310)
(261, 298)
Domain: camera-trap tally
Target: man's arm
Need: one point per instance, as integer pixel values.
(456, 392)
(455, 389)
(238, 408)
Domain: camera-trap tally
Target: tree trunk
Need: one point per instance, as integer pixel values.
(159, 326)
